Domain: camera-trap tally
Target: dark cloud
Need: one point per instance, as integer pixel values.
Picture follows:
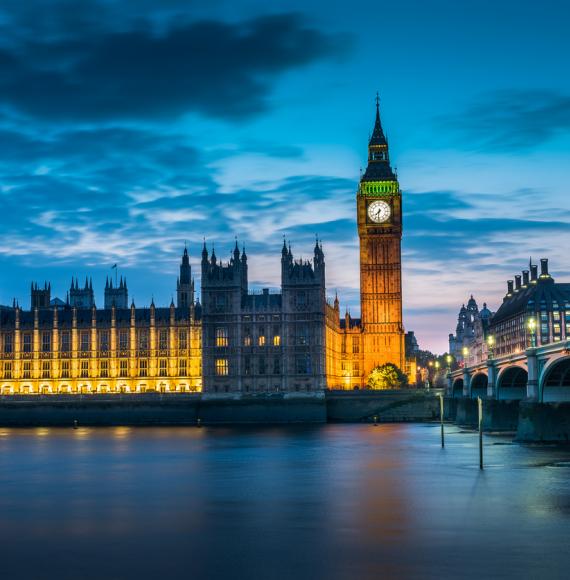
(512, 120)
(215, 68)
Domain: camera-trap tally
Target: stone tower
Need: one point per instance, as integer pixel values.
(379, 216)
(40, 297)
(116, 295)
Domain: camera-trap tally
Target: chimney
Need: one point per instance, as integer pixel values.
(525, 277)
(533, 273)
(509, 287)
(544, 268)
(518, 282)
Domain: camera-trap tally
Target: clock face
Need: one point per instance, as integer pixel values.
(379, 212)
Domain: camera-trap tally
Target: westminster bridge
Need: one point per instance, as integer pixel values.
(539, 374)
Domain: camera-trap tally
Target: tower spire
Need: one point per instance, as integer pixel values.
(378, 137)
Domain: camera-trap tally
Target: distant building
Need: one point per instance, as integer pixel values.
(470, 334)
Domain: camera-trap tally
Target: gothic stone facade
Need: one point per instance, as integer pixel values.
(263, 342)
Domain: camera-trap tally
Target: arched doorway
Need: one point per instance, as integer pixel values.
(479, 386)
(556, 382)
(512, 384)
(457, 390)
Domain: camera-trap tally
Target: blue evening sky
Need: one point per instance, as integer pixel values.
(128, 127)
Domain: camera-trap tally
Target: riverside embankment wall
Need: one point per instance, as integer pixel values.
(189, 409)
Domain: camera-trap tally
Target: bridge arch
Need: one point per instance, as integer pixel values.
(555, 381)
(511, 383)
(479, 384)
(457, 389)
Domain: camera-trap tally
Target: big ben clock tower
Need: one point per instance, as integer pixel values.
(379, 209)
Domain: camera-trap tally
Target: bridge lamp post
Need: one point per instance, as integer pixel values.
(465, 352)
(490, 344)
(531, 324)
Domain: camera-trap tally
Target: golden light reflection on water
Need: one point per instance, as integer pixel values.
(42, 432)
(82, 432)
(122, 432)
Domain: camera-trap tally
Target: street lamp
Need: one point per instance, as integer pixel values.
(448, 359)
(465, 352)
(490, 344)
(531, 324)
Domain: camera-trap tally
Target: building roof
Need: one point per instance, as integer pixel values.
(531, 298)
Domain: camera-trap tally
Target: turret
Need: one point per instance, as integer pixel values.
(185, 284)
(40, 297)
(117, 296)
(81, 297)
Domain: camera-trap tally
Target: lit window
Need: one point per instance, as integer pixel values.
(276, 340)
(261, 340)
(183, 339)
(163, 340)
(46, 341)
(65, 342)
(7, 370)
(27, 343)
(46, 370)
(221, 336)
(104, 340)
(222, 367)
(355, 345)
(104, 368)
(143, 340)
(182, 367)
(124, 368)
(84, 341)
(84, 368)
(8, 343)
(26, 371)
(162, 368)
(65, 369)
(143, 367)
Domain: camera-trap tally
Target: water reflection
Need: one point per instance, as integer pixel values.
(322, 502)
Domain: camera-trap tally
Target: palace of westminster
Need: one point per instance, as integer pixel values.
(232, 340)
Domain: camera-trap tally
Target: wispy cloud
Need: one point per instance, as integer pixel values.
(511, 120)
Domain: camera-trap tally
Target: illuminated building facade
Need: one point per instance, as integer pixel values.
(235, 340)
(74, 347)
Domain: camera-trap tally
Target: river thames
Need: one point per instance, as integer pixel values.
(334, 501)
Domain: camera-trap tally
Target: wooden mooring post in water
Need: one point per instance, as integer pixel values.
(480, 410)
(441, 419)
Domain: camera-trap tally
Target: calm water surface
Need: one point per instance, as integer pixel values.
(337, 501)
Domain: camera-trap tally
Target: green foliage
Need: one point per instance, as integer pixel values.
(387, 376)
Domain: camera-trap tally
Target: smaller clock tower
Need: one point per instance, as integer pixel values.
(379, 216)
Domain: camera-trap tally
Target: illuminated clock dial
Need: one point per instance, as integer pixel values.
(379, 212)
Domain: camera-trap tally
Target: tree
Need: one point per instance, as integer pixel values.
(387, 376)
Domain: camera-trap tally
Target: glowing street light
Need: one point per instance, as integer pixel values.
(490, 344)
(531, 324)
